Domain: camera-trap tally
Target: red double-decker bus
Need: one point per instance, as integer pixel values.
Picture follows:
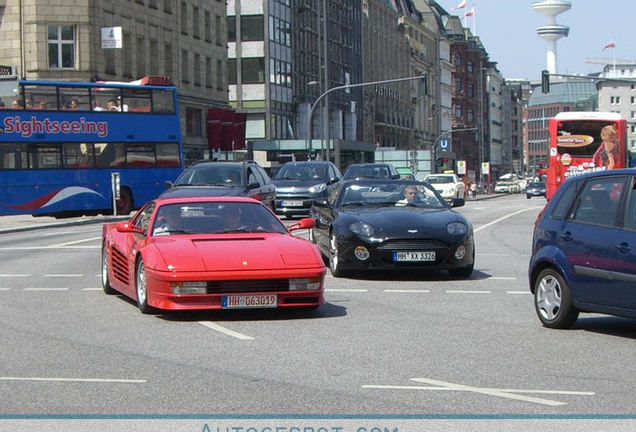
(582, 141)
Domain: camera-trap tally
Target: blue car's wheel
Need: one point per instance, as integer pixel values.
(552, 300)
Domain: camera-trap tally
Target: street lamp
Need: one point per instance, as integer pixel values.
(342, 87)
(442, 135)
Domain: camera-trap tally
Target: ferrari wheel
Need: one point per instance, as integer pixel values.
(334, 260)
(142, 288)
(552, 300)
(312, 236)
(105, 280)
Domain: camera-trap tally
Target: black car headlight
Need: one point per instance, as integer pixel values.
(361, 228)
(456, 228)
(318, 188)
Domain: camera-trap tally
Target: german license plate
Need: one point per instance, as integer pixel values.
(413, 256)
(249, 301)
(292, 203)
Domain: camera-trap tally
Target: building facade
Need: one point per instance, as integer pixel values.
(617, 93)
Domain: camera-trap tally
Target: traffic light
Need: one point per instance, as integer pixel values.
(545, 81)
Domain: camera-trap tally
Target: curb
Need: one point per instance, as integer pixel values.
(74, 222)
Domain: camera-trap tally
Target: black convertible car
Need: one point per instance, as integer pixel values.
(392, 224)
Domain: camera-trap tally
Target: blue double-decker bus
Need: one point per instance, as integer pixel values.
(64, 144)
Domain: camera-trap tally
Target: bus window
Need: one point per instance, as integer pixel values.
(110, 155)
(168, 155)
(44, 156)
(40, 97)
(137, 100)
(162, 101)
(75, 98)
(78, 155)
(140, 155)
(13, 156)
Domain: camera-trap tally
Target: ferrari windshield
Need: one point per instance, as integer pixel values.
(390, 193)
(215, 218)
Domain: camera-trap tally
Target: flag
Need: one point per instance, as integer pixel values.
(470, 13)
(462, 5)
(609, 45)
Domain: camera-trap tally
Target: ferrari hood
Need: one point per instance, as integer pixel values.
(241, 252)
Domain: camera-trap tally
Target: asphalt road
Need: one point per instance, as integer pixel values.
(405, 347)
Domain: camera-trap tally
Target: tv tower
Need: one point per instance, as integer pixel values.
(552, 31)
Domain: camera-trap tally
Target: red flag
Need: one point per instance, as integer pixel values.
(462, 5)
(470, 13)
(227, 128)
(239, 130)
(215, 116)
(609, 45)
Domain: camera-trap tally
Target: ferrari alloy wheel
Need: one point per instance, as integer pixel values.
(142, 288)
(105, 280)
(312, 236)
(334, 260)
(552, 300)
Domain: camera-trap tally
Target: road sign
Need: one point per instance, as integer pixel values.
(461, 167)
(443, 144)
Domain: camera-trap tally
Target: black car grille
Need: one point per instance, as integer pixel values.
(248, 285)
(412, 245)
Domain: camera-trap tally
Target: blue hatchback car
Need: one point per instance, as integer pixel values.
(584, 249)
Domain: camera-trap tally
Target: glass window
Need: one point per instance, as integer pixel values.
(253, 70)
(252, 28)
(231, 70)
(231, 29)
(61, 47)
(193, 122)
(598, 202)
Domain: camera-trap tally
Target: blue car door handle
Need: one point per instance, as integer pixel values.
(623, 248)
(566, 236)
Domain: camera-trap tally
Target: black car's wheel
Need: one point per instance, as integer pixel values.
(142, 288)
(334, 258)
(552, 300)
(105, 280)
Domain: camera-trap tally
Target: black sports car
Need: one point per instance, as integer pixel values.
(392, 224)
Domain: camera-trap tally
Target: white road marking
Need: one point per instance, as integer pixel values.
(63, 275)
(345, 290)
(502, 278)
(406, 291)
(224, 330)
(48, 247)
(505, 393)
(518, 292)
(467, 292)
(505, 217)
(46, 289)
(91, 289)
(5, 289)
(14, 275)
(98, 380)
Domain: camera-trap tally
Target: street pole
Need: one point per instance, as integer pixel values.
(347, 86)
(442, 135)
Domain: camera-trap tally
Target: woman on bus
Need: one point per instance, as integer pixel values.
(609, 148)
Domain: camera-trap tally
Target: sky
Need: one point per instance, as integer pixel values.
(508, 31)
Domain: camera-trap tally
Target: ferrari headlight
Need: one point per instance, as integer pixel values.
(456, 228)
(188, 287)
(318, 188)
(305, 284)
(361, 228)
